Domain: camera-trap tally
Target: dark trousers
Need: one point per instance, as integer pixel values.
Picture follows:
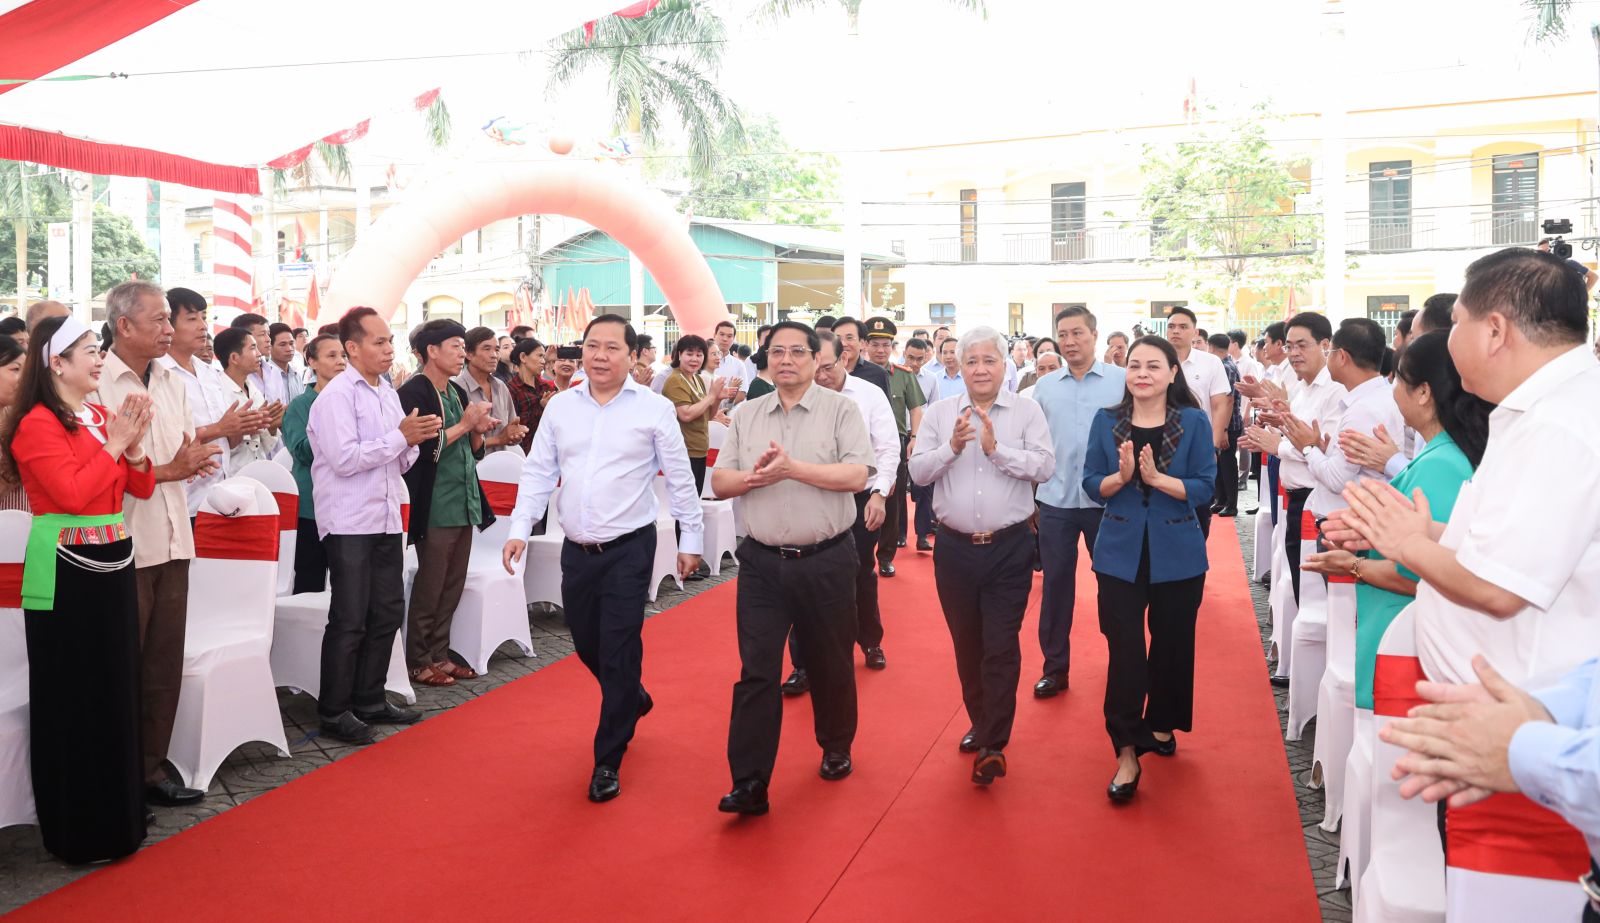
(894, 512)
(816, 596)
(1203, 513)
(1272, 487)
(1058, 551)
(310, 559)
(983, 590)
(603, 597)
(366, 609)
(1291, 534)
(442, 558)
(163, 619)
(1151, 691)
(869, 620)
(697, 467)
(922, 496)
(1227, 497)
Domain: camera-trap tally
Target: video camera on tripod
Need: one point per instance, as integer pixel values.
(1558, 227)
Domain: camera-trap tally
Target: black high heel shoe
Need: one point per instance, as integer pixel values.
(1153, 744)
(1122, 792)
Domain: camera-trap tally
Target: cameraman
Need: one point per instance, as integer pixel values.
(1588, 275)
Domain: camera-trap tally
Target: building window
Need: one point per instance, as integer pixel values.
(1515, 199)
(969, 225)
(1159, 309)
(1014, 319)
(1389, 205)
(1386, 310)
(943, 315)
(1069, 206)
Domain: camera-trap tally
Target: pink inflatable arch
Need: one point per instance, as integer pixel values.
(399, 245)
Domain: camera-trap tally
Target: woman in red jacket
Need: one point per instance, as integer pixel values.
(76, 459)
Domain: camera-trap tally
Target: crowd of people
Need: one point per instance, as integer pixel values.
(1419, 460)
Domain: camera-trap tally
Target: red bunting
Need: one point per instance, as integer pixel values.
(633, 11)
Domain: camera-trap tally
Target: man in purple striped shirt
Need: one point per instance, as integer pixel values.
(363, 443)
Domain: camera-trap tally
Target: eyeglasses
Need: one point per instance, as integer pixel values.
(780, 353)
(825, 369)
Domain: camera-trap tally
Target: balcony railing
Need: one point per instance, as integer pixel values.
(1054, 246)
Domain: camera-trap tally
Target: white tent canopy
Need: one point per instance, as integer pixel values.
(205, 92)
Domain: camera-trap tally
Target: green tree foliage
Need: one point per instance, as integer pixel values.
(764, 180)
(118, 252)
(1221, 208)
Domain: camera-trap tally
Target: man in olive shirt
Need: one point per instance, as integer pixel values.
(796, 456)
(906, 398)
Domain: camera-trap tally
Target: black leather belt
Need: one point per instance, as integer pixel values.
(795, 552)
(1298, 492)
(603, 547)
(983, 538)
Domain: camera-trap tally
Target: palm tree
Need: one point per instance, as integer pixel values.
(656, 66)
(1547, 19)
(773, 10)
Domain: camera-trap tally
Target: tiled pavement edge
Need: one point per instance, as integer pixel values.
(27, 871)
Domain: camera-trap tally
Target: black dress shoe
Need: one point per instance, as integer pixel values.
(900, 543)
(875, 658)
(169, 794)
(1122, 792)
(389, 713)
(797, 683)
(1282, 682)
(603, 785)
(923, 544)
(149, 818)
(348, 728)
(835, 766)
(1050, 685)
(748, 797)
(969, 743)
(989, 765)
(1228, 513)
(886, 570)
(645, 702)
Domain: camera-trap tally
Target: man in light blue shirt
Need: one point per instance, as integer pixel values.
(1491, 737)
(1070, 398)
(949, 382)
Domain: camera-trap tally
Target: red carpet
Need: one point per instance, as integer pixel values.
(480, 814)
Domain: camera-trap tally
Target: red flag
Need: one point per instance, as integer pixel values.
(313, 302)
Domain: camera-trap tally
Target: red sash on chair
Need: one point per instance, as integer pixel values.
(502, 497)
(1394, 685)
(236, 538)
(405, 517)
(11, 586)
(1308, 526)
(288, 511)
(1511, 835)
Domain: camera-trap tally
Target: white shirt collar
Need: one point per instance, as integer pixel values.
(1553, 374)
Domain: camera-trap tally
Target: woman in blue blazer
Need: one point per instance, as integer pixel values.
(1150, 460)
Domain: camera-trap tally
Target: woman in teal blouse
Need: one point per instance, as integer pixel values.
(1455, 424)
(325, 357)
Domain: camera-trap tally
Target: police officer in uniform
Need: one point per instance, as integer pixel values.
(906, 398)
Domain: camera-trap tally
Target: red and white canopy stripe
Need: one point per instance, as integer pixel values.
(204, 92)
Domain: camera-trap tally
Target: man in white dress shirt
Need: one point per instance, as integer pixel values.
(920, 359)
(283, 383)
(1208, 381)
(608, 511)
(870, 506)
(241, 367)
(1515, 573)
(731, 367)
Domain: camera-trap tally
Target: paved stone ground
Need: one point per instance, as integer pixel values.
(27, 871)
(1321, 846)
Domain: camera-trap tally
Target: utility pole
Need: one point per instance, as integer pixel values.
(19, 226)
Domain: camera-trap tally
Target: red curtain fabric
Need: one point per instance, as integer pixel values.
(116, 160)
(237, 538)
(1510, 835)
(288, 511)
(502, 497)
(44, 36)
(11, 586)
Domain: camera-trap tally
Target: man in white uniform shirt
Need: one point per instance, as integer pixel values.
(731, 367)
(1208, 381)
(1515, 574)
(241, 366)
(871, 505)
(608, 512)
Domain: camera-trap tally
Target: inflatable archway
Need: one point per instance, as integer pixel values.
(400, 244)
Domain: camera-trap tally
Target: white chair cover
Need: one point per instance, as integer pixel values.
(1266, 502)
(1404, 879)
(227, 696)
(1355, 823)
(1309, 638)
(494, 604)
(16, 772)
(715, 433)
(666, 563)
(300, 621)
(541, 563)
(1281, 595)
(282, 484)
(1336, 699)
(721, 532)
(283, 458)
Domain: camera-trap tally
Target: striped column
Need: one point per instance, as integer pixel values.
(231, 263)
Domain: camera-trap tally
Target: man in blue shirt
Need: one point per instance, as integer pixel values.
(1070, 398)
(949, 381)
(1492, 737)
